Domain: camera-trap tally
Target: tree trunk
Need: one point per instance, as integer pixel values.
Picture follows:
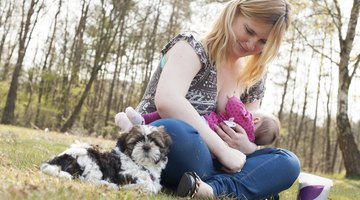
(6, 71)
(348, 147)
(289, 69)
(70, 122)
(75, 57)
(292, 120)
(314, 127)
(45, 71)
(150, 51)
(329, 166)
(314, 133)
(302, 122)
(25, 35)
(120, 52)
(5, 26)
(103, 47)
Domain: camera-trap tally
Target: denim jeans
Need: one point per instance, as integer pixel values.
(266, 172)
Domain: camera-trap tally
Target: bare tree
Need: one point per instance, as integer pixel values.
(5, 25)
(349, 148)
(26, 28)
(302, 122)
(289, 69)
(123, 7)
(314, 133)
(329, 166)
(103, 45)
(45, 71)
(150, 49)
(292, 120)
(74, 61)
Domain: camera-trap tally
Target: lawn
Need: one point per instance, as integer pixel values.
(23, 150)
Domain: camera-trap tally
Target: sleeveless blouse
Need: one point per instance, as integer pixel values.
(202, 92)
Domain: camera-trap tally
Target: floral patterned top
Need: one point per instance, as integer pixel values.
(202, 91)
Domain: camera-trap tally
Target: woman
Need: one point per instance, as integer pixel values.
(196, 77)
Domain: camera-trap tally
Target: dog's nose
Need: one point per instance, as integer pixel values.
(146, 148)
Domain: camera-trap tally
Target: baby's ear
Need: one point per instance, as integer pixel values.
(256, 120)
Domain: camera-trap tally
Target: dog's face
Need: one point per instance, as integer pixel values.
(146, 145)
(68, 164)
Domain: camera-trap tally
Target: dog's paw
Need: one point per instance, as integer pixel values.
(54, 170)
(65, 175)
(51, 170)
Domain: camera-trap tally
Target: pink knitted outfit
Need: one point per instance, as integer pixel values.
(235, 109)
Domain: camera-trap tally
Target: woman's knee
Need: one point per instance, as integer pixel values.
(292, 164)
(186, 140)
(287, 163)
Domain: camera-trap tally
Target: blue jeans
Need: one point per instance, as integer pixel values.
(266, 172)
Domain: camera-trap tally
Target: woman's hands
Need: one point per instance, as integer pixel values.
(236, 138)
(232, 154)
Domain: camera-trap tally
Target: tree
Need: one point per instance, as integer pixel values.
(26, 28)
(103, 45)
(347, 144)
(5, 25)
(45, 71)
(76, 56)
(123, 7)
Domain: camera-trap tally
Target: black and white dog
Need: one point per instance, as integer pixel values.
(136, 161)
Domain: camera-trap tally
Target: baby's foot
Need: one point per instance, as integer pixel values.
(134, 116)
(123, 122)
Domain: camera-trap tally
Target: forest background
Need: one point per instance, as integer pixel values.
(70, 66)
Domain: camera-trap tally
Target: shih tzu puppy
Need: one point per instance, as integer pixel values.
(136, 161)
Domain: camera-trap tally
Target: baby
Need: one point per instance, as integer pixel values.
(261, 128)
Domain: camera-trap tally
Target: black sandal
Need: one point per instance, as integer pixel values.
(188, 185)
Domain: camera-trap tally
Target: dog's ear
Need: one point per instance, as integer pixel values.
(166, 136)
(121, 142)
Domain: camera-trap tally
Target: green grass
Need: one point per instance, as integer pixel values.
(23, 150)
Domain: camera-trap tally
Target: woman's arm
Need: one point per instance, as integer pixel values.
(181, 67)
(238, 138)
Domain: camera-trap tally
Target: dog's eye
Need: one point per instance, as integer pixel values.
(135, 138)
(157, 139)
(131, 140)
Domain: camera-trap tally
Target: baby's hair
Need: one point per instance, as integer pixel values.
(270, 126)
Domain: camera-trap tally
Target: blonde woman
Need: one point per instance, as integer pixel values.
(195, 77)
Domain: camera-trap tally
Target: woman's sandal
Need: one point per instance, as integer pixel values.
(188, 185)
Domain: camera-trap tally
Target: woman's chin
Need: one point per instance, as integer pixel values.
(238, 54)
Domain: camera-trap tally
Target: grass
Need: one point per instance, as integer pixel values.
(23, 150)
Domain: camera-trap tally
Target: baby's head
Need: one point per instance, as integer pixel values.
(267, 128)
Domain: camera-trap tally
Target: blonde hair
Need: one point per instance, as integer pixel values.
(220, 38)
